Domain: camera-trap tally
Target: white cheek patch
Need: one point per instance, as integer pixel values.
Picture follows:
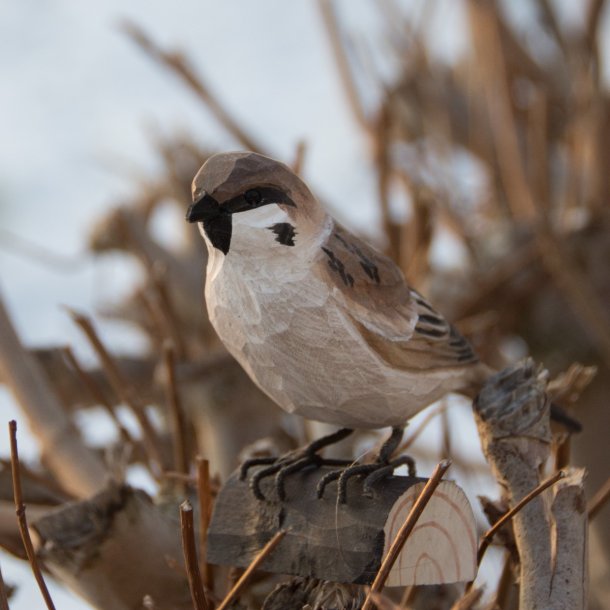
(261, 218)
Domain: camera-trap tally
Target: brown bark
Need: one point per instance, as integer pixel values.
(116, 548)
(512, 414)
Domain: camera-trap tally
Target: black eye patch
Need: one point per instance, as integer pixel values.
(255, 198)
(284, 232)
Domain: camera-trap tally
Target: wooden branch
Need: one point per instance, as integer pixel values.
(96, 393)
(124, 390)
(489, 534)
(497, 88)
(187, 527)
(176, 412)
(346, 542)
(139, 370)
(512, 412)
(10, 537)
(181, 68)
(405, 530)
(74, 465)
(599, 499)
(345, 72)
(469, 600)
(22, 519)
(204, 497)
(116, 548)
(569, 584)
(256, 562)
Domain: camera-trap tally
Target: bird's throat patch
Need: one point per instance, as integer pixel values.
(284, 233)
(219, 231)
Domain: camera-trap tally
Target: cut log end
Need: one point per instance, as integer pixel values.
(346, 542)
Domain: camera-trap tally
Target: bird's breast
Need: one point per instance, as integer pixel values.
(299, 346)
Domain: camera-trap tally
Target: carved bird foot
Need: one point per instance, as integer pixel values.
(382, 467)
(292, 462)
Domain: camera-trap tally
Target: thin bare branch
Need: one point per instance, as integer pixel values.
(414, 514)
(96, 393)
(345, 73)
(124, 390)
(489, 534)
(181, 68)
(497, 88)
(204, 496)
(22, 519)
(159, 280)
(176, 411)
(243, 579)
(597, 502)
(187, 527)
(469, 600)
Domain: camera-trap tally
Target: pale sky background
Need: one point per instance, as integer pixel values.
(77, 104)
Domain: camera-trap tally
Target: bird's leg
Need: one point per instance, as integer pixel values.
(383, 466)
(292, 462)
(390, 445)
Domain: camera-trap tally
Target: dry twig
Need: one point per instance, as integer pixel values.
(345, 73)
(179, 66)
(187, 527)
(181, 453)
(417, 509)
(597, 502)
(96, 393)
(204, 495)
(123, 389)
(243, 579)
(23, 523)
(489, 534)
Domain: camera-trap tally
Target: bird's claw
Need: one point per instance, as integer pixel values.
(383, 467)
(290, 463)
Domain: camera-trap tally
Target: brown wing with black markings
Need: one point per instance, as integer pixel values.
(395, 320)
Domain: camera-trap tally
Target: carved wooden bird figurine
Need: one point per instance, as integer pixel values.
(321, 321)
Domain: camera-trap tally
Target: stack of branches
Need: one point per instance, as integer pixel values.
(533, 229)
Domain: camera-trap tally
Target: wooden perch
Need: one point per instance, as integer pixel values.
(512, 413)
(346, 542)
(116, 548)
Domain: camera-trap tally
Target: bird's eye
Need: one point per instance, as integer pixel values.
(253, 196)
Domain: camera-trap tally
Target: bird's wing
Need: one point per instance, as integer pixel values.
(395, 320)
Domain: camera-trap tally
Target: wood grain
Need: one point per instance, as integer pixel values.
(346, 543)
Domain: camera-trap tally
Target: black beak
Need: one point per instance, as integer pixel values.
(205, 208)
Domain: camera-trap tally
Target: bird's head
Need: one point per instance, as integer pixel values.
(244, 200)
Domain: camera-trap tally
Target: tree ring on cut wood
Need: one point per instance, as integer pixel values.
(442, 547)
(346, 542)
